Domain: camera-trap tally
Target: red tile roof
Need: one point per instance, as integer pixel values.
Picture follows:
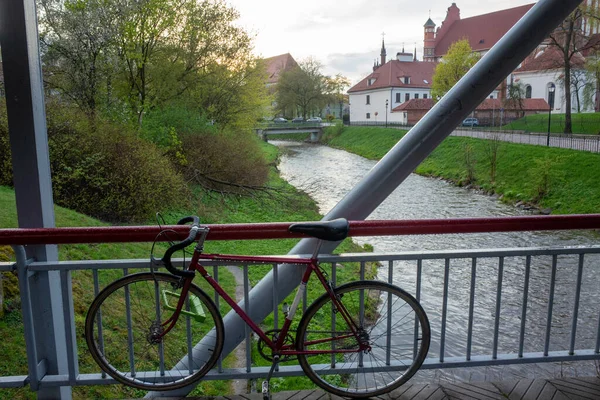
(483, 31)
(547, 59)
(390, 74)
(592, 45)
(278, 64)
(415, 104)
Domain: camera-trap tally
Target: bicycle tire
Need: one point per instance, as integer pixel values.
(121, 318)
(407, 340)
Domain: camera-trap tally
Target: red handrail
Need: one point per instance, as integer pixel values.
(278, 230)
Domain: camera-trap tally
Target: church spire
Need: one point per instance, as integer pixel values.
(383, 52)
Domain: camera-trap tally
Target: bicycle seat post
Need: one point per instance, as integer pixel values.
(317, 249)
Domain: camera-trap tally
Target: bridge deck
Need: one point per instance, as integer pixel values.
(585, 388)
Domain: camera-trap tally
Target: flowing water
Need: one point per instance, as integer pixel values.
(327, 174)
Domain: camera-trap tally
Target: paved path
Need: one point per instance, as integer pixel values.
(575, 142)
(582, 388)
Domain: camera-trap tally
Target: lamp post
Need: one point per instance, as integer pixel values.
(551, 90)
(386, 107)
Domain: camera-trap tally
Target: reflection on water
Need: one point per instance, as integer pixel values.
(327, 175)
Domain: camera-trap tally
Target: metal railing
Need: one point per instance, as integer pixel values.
(486, 306)
(497, 280)
(575, 142)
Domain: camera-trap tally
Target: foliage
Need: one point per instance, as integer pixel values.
(223, 163)
(77, 37)
(302, 90)
(105, 170)
(124, 58)
(455, 64)
(592, 68)
(569, 38)
(469, 163)
(514, 97)
(492, 152)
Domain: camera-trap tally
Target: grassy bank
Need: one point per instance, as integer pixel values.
(281, 203)
(565, 181)
(588, 123)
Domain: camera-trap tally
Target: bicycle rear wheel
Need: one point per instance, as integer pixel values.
(123, 321)
(389, 319)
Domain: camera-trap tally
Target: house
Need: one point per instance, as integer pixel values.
(275, 66)
(394, 82)
(482, 31)
(389, 85)
(543, 72)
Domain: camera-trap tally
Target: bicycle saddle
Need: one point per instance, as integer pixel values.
(334, 230)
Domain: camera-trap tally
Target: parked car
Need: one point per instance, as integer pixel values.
(314, 119)
(470, 122)
(280, 120)
(298, 120)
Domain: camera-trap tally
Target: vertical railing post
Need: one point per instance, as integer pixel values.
(31, 176)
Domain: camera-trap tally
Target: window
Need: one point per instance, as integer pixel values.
(424, 95)
(528, 91)
(406, 80)
(406, 96)
(416, 95)
(398, 99)
(368, 115)
(368, 99)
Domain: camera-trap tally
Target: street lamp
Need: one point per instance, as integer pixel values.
(551, 90)
(386, 107)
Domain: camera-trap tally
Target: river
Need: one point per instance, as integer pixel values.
(327, 174)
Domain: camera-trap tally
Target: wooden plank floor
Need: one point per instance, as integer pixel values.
(582, 388)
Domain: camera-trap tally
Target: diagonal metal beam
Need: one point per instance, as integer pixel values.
(416, 145)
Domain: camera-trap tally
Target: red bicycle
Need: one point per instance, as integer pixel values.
(158, 331)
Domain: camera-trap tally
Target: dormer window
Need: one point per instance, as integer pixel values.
(371, 81)
(405, 80)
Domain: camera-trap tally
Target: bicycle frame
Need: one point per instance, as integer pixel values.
(278, 346)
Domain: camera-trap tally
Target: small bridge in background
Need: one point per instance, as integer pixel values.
(315, 129)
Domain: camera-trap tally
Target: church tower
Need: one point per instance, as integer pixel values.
(383, 52)
(429, 41)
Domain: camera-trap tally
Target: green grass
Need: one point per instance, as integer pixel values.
(281, 203)
(564, 180)
(582, 123)
(369, 142)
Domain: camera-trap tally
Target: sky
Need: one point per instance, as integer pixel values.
(345, 35)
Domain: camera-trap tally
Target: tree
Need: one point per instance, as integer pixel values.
(592, 67)
(514, 99)
(455, 64)
(335, 88)
(302, 88)
(77, 39)
(570, 38)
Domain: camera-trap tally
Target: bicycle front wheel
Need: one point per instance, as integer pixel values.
(124, 322)
(391, 325)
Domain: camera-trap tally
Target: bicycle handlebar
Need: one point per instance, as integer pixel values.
(182, 245)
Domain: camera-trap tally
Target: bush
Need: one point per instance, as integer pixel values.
(106, 171)
(228, 163)
(215, 159)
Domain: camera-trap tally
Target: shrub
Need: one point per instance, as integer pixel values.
(215, 159)
(228, 163)
(107, 171)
